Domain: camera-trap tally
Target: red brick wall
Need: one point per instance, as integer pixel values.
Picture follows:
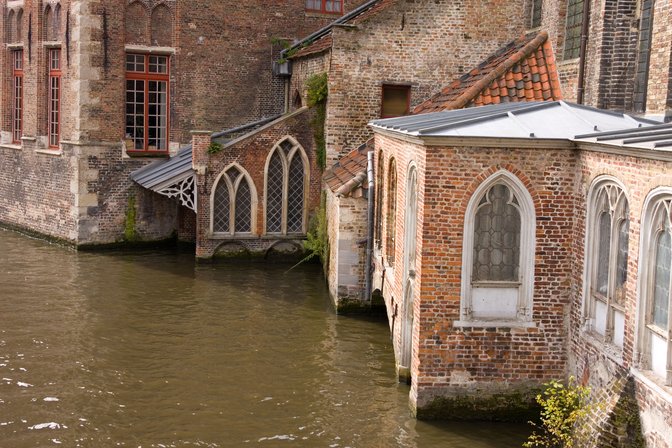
(251, 153)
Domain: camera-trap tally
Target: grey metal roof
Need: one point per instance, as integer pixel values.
(160, 174)
(528, 120)
(658, 137)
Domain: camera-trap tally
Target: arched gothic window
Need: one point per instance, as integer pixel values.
(233, 203)
(287, 182)
(162, 26)
(498, 253)
(379, 200)
(18, 29)
(607, 259)
(391, 225)
(655, 342)
(52, 22)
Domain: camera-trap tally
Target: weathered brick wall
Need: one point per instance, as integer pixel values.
(251, 153)
(602, 365)
(658, 92)
(450, 362)
(425, 44)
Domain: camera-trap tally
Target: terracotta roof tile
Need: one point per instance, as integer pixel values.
(350, 171)
(522, 70)
(318, 46)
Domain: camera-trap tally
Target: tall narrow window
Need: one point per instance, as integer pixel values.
(379, 200)
(54, 109)
(498, 253)
(536, 13)
(325, 6)
(233, 203)
(286, 188)
(391, 227)
(573, 28)
(643, 56)
(655, 345)
(607, 259)
(147, 78)
(17, 96)
(396, 101)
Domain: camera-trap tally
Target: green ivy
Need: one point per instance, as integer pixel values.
(318, 91)
(130, 233)
(563, 409)
(317, 238)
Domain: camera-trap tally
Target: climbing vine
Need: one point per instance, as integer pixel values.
(317, 238)
(563, 409)
(318, 91)
(215, 148)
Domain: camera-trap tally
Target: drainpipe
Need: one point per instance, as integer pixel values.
(585, 27)
(369, 232)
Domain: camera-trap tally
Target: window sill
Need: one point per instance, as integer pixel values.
(15, 46)
(148, 154)
(165, 51)
(493, 324)
(610, 350)
(52, 44)
(321, 14)
(10, 146)
(654, 383)
(249, 236)
(49, 152)
(568, 62)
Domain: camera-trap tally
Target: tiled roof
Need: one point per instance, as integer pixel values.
(523, 70)
(350, 170)
(321, 40)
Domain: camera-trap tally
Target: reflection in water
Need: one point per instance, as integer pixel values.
(149, 349)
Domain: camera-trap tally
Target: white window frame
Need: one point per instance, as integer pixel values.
(650, 337)
(610, 324)
(286, 161)
(233, 189)
(528, 224)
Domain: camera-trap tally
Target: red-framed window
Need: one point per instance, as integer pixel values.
(396, 101)
(147, 82)
(17, 96)
(325, 6)
(54, 106)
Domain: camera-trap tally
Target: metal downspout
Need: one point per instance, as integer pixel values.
(369, 232)
(585, 26)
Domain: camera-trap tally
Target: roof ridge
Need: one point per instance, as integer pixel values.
(485, 81)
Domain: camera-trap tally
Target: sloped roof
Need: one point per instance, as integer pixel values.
(350, 170)
(657, 137)
(321, 40)
(531, 120)
(160, 174)
(522, 70)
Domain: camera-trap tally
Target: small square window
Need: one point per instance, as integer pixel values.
(396, 101)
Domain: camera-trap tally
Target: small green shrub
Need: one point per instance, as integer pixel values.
(215, 148)
(317, 238)
(563, 409)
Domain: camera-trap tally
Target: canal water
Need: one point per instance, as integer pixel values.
(150, 349)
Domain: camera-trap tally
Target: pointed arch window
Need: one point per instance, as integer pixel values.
(607, 259)
(391, 225)
(287, 180)
(655, 343)
(233, 203)
(379, 200)
(498, 254)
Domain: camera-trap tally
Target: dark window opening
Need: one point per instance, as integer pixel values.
(396, 101)
(573, 29)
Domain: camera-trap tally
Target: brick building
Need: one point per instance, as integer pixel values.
(519, 245)
(94, 90)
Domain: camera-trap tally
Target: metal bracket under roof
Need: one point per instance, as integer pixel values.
(184, 190)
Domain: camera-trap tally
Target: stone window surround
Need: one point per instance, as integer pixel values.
(297, 149)
(391, 212)
(527, 253)
(243, 177)
(591, 258)
(644, 330)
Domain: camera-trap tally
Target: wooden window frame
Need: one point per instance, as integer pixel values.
(55, 90)
(147, 76)
(17, 95)
(323, 8)
(606, 195)
(385, 87)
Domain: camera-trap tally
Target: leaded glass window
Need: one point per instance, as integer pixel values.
(661, 293)
(233, 216)
(391, 227)
(286, 188)
(573, 28)
(536, 13)
(608, 259)
(497, 237)
(379, 201)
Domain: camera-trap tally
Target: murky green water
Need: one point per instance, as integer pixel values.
(148, 349)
